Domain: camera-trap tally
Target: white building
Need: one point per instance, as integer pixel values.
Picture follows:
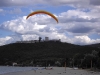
(46, 38)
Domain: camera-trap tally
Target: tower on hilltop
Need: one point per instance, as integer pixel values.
(46, 38)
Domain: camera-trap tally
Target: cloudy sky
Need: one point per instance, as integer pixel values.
(79, 21)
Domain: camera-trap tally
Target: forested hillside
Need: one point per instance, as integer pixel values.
(38, 53)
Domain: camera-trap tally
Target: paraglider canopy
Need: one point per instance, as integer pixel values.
(42, 12)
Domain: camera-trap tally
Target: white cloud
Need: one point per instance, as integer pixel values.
(5, 40)
(77, 22)
(74, 26)
(30, 37)
(85, 40)
(81, 15)
(35, 27)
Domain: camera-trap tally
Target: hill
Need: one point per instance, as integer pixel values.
(32, 52)
(94, 45)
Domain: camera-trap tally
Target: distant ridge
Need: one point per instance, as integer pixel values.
(25, 52)
(94, 45)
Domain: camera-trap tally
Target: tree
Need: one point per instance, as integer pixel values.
(90, 60)
(77, 59)
(40, 39)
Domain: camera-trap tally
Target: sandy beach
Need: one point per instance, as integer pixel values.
(55, 71)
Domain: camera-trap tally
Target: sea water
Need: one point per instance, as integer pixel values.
(8, 69)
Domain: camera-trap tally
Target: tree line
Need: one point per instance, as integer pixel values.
(50, 53)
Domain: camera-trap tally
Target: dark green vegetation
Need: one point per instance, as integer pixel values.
(53, 53)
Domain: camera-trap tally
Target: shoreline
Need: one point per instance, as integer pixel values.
(55, 71)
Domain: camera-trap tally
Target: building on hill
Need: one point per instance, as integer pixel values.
(39, 40)
(46, 38)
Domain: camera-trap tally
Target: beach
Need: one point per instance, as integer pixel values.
(54, 71)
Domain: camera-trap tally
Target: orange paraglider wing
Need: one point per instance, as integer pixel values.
(44, 12)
